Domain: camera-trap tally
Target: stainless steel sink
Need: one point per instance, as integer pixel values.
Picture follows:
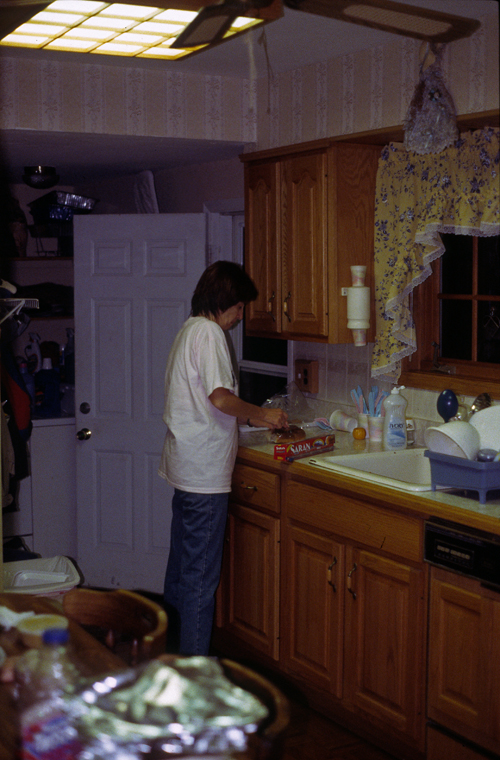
(406, 469)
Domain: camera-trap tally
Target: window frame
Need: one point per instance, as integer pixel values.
(418, 370)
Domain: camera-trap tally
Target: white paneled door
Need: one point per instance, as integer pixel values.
(134, 278)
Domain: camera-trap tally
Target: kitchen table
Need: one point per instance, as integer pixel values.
(93, 655)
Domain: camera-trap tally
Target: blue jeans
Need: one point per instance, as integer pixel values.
(194, 564)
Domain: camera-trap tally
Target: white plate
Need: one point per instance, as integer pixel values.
(487, 424)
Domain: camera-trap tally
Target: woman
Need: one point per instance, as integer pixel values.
(202, 411)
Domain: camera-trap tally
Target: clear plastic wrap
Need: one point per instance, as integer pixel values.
(291, 400)
(186, 707)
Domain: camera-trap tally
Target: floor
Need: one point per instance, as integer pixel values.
(310, 736)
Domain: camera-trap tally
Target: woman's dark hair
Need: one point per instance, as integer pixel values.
(222, 285)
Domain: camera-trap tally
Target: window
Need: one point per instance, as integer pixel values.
(457, 316)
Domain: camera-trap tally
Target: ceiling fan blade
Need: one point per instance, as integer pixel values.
(213, 21)
(392, 16)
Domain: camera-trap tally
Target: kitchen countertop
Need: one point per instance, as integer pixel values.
(452, 505)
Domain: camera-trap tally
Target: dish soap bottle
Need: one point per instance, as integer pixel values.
(395, 420)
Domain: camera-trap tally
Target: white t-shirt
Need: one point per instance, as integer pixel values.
(201, 442)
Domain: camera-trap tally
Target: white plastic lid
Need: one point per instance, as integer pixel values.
(395, 391)
(47, 363)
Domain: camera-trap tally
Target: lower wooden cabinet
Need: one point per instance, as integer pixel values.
(384, 661)
(312, 601)
(355, 618)
(253, 576)
(464, 658)
(248, 596)
(334, 591)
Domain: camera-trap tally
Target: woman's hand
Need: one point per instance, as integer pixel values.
(275, 418)
(227, 402)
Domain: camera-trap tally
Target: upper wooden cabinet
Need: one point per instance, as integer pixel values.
(309, 216)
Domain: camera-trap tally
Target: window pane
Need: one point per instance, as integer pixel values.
(456, 264)
(267, 350)
(456, 329)
(489, 266)
(256, 388)
(488, 332)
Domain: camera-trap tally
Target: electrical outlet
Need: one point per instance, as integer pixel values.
(306, 375)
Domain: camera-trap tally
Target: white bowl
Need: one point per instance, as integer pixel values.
(487, 424)
(456, 438)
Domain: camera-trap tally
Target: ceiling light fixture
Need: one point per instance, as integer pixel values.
(135, 30)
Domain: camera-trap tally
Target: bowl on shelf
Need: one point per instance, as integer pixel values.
(456, 438)
(40, 177)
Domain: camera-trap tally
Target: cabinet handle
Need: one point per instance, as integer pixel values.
(285, 306)
(249, 488)
(329, 574)
(270, 306)
(349, 576)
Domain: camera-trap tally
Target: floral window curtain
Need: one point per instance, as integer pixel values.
(417, 197)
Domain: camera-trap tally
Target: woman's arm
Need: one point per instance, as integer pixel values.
(227, 402)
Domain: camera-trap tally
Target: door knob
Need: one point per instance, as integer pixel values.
(85, 408)
(84, 434)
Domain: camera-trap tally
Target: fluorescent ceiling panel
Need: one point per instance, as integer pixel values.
(134, 31)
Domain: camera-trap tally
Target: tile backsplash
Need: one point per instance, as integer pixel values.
(342, 367)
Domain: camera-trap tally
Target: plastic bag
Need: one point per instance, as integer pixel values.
(430, 124)
(291, 400)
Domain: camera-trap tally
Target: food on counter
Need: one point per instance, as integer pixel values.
(359, 433)
(288, 435)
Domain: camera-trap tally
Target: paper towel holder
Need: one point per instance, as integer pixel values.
(358, 305)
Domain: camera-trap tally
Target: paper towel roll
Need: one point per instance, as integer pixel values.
(358, 308)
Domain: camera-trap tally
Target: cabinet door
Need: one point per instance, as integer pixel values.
(304, 245)
(312, 605)
(464, 658)
(384, 650)
(262, 243)
(252, 578)
(352, 174)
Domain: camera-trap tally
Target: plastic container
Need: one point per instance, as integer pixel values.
(340, 420)
(69, 357)
(32, 629)
(363, 423)
(29, 382)
(376, 428)
(394, 435)
(42, 675)
(50, 576)
(47, 384)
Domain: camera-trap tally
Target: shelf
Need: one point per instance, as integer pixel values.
(51, 230)
(50, 317)
(31, 259)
